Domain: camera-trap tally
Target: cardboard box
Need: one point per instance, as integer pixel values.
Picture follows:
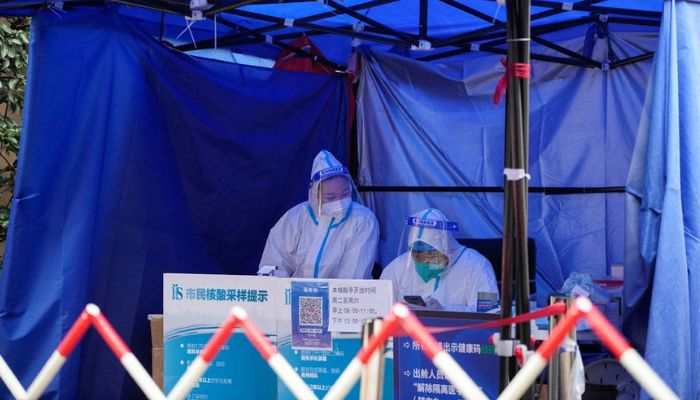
(156, 330)
(157, 366)
(157, 350)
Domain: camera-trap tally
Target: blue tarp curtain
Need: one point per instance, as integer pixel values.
(138, 160)
(662, 279)
(435, 125)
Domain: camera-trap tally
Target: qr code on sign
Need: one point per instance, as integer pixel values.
(310, 310)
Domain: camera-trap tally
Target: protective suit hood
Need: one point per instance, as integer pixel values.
(325, 166)
(430, 226)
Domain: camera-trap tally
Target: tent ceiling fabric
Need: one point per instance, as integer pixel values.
(423, 29)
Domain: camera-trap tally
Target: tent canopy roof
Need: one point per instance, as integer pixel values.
(423, 29)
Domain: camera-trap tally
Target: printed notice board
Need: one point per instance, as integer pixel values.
(415, 376)
(195, 306)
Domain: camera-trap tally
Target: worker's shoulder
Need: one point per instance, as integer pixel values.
(475, 255)
(396, 264)
(361, 211)
(388, 272)
(472, 260)
(298, 211)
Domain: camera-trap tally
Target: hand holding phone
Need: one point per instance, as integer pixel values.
(414, 300)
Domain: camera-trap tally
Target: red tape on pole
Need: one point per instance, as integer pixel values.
(430, 346)
(114, 341)
(391, 322)
(518, 70)
(564, 326)
(606, 332)
(74, 335)
(211, 349)
(258, 339)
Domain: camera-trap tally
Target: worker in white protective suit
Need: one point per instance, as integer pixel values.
(329, 236)
(432, 265)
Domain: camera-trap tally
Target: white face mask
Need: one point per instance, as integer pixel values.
(336, 208)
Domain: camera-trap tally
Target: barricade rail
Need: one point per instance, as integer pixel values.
(398, 322)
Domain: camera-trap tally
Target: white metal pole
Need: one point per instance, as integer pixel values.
(46, 375)
(457, 377)
(290, 378)
(188, 379)
(11, 381)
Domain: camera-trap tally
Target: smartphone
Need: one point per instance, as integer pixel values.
(415, 300)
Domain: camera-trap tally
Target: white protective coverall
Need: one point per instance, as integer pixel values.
(456, 287)
(307, 243)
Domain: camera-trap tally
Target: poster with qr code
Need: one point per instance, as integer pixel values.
(310, 316)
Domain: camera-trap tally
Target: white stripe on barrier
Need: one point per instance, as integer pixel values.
(141, 377)
(45, 376)
(524, 378)
(189, 379)
(457, 377)
(647, 378)
(345, 381)
(11, 381)
(290, 378)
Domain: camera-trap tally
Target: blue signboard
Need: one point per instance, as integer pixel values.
(238, 354)
(415, 376)
(320, 369)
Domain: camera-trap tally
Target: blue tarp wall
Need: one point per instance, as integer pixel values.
(436, 125)
(663, 208)
(138, 160)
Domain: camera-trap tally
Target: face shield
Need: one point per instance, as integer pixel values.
(427, 240)
(332, 192)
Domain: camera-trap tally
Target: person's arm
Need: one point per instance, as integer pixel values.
(361, 250)
(389, 273)
(482, 279)
(280, 246)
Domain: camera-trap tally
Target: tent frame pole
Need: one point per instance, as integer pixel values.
(423, 20)
(515, 231)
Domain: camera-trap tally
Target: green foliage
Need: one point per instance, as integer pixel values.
(14, 41)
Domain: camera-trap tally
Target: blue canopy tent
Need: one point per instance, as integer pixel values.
(161, 162)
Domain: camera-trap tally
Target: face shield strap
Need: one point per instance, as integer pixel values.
(432, 224)
(329, 173)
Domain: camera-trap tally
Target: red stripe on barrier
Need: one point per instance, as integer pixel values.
(211, 349)
(416, 329)
(258, 339)
(114, 341)
(74, 335)
(564, 326)
(390, 323)
(607, 333)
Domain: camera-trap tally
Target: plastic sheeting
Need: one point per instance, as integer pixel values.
(137, 160)
(662, 278)
(436, 125)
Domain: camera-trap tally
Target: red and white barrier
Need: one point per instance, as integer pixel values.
(59, 356)
(400, 317)
(628, 357)
(92, 316)
(126, 357)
